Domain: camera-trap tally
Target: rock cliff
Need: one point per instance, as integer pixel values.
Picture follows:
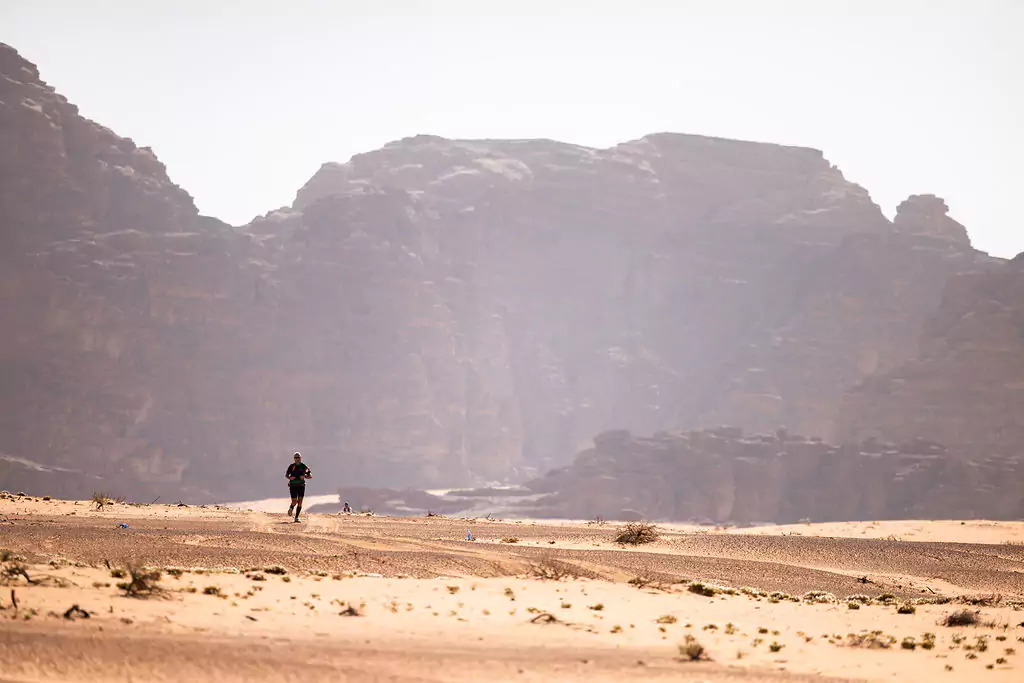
(965, 385)
(434, 313)
(722, 475)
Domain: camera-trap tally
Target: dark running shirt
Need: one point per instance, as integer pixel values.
(297, 469)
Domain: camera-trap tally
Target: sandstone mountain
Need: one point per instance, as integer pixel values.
(965, 385)
(438, 312)
(723, 475)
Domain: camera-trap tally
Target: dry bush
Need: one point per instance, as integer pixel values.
(692, 650)
(551, 569)
(704, 589)
(510, 539)
(964, 617)
(874, 640)
(637, 533)
(142, 583)
(350, 611)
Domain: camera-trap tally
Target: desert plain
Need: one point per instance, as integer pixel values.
(135, 592)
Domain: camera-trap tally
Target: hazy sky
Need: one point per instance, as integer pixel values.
(244, 100)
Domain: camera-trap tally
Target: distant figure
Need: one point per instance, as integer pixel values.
(347, 507)
(297, 474)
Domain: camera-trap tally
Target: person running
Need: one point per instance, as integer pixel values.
(297, 474)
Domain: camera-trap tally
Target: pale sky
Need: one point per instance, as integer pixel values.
(243, 100)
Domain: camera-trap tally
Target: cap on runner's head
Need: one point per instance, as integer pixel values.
(297, 455)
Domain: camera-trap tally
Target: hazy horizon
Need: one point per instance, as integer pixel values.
(244, 101)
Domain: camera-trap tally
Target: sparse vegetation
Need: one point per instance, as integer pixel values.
(853, 605)
(818, 597)
(275, 569)
(776, 646)
(906, 608)
(666, 619)
(213, 590)
(637, 533)
(510, 539)
(701, 588)
(453, 589)
(964, 617)
(691, 649)
(872, 640)
(597, 608)
(908, 643)
(142, 582)
(550, 569)
(351, 611)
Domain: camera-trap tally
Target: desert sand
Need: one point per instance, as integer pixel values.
(248, 595)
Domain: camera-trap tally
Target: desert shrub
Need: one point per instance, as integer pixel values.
(275, 569)
(666, 619)
(99, 499)
(510, 539)
(906, 608)
(776, 646)
(815, 597)
(212, 590)
(704, 589)
(691, 649)
(637, 533)
(142, 582)
(964, 617)
(550, 569)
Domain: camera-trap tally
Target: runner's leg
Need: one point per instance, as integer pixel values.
(299, 493)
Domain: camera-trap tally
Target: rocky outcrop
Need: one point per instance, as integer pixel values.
(927, 215)
(721, 475)
(434, 313)
(965, 385)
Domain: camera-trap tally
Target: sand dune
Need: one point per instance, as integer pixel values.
(435, 607)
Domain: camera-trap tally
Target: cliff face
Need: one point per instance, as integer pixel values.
(965, 386)
(434, 313)
(722, 475)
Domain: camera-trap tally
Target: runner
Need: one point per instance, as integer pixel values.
(297, 474)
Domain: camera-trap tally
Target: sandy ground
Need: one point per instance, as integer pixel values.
(431, 606)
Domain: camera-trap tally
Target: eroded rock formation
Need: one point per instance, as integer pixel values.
(965, 386)
(434, 313)
(721, 475)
